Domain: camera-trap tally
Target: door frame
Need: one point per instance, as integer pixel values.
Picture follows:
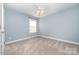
(2, 30)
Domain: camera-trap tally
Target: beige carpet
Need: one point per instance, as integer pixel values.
(41, 46)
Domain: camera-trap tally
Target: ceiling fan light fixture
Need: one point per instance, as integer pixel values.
(40, 11)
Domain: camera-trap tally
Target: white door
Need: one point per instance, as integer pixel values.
(0, 30)
(0, 41)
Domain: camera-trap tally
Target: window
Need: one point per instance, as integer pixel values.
(32, 25)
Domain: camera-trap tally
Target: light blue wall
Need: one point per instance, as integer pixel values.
(16, 25)
(64, 24)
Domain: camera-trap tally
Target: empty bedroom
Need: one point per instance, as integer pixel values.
(41, 28)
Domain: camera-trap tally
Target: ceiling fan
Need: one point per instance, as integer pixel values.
(40, 11)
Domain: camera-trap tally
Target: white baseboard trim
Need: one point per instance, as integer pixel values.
(59, 39)
(44, 37)
(20, 39)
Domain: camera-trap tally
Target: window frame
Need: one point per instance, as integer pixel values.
(35, 25)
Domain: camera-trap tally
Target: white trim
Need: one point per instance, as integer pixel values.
(45, 36)
(2, 30)
(20, 39)
(58, 39)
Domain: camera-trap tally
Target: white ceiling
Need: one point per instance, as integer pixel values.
(30, 8)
